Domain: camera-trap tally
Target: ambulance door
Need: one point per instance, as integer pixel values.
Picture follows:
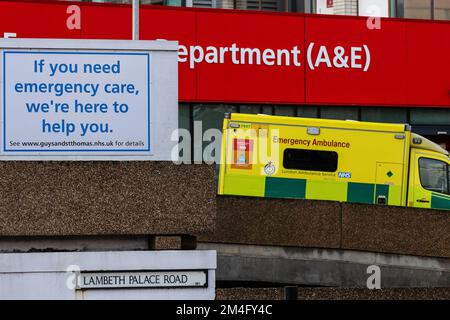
(429, 181)
(241, 175)
(388, 189)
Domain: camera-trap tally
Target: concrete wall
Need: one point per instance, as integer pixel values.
(105, 198)
(324, 224)
(326, 267)
(281, 222)
(422, 232)
(149, 198)
(334, 294)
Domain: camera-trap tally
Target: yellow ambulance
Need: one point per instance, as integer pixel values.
(337, 160)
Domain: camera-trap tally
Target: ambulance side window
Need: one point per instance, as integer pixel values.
(434, 175)
(312, 160)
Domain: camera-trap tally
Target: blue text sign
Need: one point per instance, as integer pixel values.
(76, 102)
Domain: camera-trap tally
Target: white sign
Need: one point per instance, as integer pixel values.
(373, 8)
(87, 102)
(153, 279)
(124, 275)
(323, 7)
(76, 101)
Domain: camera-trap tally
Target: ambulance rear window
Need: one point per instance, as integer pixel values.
(313, 160)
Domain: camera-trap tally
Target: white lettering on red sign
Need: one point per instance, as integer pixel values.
(338, 57)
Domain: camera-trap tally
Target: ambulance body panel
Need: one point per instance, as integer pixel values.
(319, 159)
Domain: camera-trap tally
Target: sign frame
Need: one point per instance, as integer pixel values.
(112, 272)
(161, 96)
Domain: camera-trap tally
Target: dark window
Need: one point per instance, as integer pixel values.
(448, 177)
(418, 9)
(434, 175)
(339, 113)
(430, 116)
(388, 115)
(300, 159)
(442, 10)
(206, 117)
(288, 111)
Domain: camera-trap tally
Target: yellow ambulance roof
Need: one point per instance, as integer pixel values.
(344, 124)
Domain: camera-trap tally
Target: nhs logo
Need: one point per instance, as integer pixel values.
(345, 175)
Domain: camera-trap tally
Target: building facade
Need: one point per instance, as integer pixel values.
(413, 9)
(407, 80)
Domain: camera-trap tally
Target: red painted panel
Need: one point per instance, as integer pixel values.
(35, 20)
(160, 24)
(384, 81)
(243, 82)
(108, 22)
(427, 75)
(409, 58)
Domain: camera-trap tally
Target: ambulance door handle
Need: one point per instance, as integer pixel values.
(423, 200)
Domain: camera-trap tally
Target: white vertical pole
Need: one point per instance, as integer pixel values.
(135, 8)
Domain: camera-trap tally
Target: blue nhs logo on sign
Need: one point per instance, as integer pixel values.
(345, 175)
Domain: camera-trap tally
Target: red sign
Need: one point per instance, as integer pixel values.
(329, 3)
(232, 56)
(242, 154)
